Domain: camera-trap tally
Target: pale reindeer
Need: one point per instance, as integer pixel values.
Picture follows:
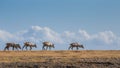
(47, 45)
(75, 45)
(29, 44)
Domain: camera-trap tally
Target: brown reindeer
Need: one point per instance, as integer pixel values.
(77, 45)
(13, 45)
(29, 44)
(47, 44)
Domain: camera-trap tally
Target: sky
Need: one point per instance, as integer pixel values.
(93, 23)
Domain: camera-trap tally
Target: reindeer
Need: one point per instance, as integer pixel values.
(77, 45)
(47, 44)
(13, 45)
(29, 44)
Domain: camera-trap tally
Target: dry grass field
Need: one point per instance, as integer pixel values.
(39, 56)
(67, 59)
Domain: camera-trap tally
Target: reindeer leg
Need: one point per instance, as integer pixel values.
(16, 48)
(69, 48)
(30, 48)
(8, 48)
(43, 48)
(23, 47)
(13, 48)
(77, 48)
(26, 48)
(72, 48)
(46, 47)
(49, 48)
(5, 49)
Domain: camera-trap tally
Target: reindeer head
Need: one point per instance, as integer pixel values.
(81, 46)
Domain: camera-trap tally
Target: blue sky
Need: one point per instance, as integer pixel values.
(72, 16)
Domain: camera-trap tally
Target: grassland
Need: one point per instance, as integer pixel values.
(86, 58)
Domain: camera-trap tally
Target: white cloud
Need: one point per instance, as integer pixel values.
(107, 36)
(37, 28)
(39, 34)
(4, 35)
(52, 35)
(84, 35)
(9, 37)
(68, 36)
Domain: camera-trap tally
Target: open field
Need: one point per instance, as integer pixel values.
(60, 59)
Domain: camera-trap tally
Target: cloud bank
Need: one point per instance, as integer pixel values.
(39, 34)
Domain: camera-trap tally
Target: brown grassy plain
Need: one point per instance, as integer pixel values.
(40, 56)
(60, 59)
